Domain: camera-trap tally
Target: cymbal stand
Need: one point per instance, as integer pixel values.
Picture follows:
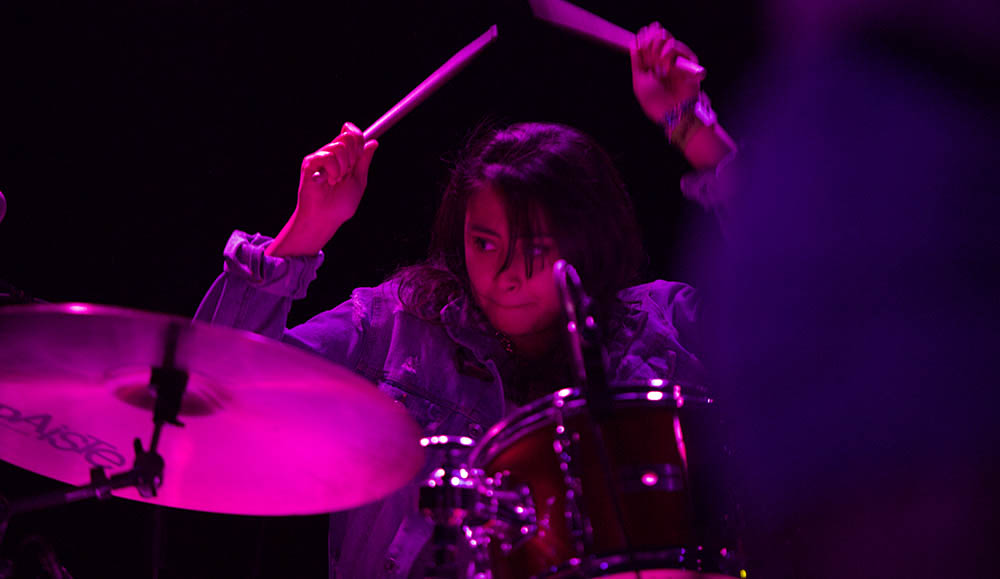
(447, 499)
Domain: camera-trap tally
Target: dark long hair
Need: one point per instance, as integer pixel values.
(539, 169)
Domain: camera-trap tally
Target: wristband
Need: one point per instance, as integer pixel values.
(679, 122)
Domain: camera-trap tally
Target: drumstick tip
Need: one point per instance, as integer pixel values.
(690, 67)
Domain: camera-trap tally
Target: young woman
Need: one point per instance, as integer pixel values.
(475, 330)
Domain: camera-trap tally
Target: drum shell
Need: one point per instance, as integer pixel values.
(664, 455)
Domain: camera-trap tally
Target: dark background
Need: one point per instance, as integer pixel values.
(136, 136)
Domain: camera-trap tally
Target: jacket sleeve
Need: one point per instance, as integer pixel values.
(255, 293)
(715, 189)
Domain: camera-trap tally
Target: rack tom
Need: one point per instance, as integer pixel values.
(641, 490)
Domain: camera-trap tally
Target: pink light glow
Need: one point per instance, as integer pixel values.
(678, 396)
(563, 393)
(654, 396)
(79, 308)
(649, 479)
(679, 436)
(656, 382)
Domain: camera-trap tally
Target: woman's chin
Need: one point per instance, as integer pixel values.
(513, 324)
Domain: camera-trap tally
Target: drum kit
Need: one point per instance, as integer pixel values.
(241, 424)
(552, 492)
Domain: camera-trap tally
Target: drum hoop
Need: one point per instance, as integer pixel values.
(530, 414)
(679, 559)
(527, 418)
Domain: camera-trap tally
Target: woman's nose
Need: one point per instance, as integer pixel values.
(511, 278)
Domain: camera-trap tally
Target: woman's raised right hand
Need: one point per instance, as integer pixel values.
(331, 183)
(342, 165)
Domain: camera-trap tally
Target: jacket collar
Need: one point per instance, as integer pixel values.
(467, 326)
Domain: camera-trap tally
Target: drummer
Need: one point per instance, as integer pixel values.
(476, 329)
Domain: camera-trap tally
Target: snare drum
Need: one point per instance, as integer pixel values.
(647, 502)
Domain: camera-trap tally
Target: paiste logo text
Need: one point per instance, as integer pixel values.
(96, 451)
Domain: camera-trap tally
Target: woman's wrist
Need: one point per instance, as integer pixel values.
(705, 146)
(302, 237)
(693, 128)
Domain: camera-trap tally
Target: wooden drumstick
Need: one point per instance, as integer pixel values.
(575, 19)
(443, 74)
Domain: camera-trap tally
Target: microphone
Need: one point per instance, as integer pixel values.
(585, 340)
(569, 286)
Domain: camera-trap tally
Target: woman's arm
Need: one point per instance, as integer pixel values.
(262, 276)
(671, 97)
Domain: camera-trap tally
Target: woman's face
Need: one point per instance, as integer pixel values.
(524, 308)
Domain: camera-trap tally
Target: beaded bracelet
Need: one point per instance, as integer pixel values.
(681, 122)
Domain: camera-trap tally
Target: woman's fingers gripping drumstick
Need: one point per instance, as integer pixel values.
(347, 155)
(575, 19)
(443, 74)
(659, 51)
(659, 84)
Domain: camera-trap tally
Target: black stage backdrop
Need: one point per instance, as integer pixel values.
(136, 136)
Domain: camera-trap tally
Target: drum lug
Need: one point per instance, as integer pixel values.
(566, 448)
(514, 508)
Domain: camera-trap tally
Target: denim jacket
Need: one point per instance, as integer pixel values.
(449, 376)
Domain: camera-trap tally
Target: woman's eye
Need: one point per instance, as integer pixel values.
(483, 244)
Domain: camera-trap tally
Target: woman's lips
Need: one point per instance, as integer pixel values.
(509, 306)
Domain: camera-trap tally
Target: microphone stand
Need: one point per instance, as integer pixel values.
(590, 374)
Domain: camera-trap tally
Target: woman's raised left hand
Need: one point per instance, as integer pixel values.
(659, 83)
